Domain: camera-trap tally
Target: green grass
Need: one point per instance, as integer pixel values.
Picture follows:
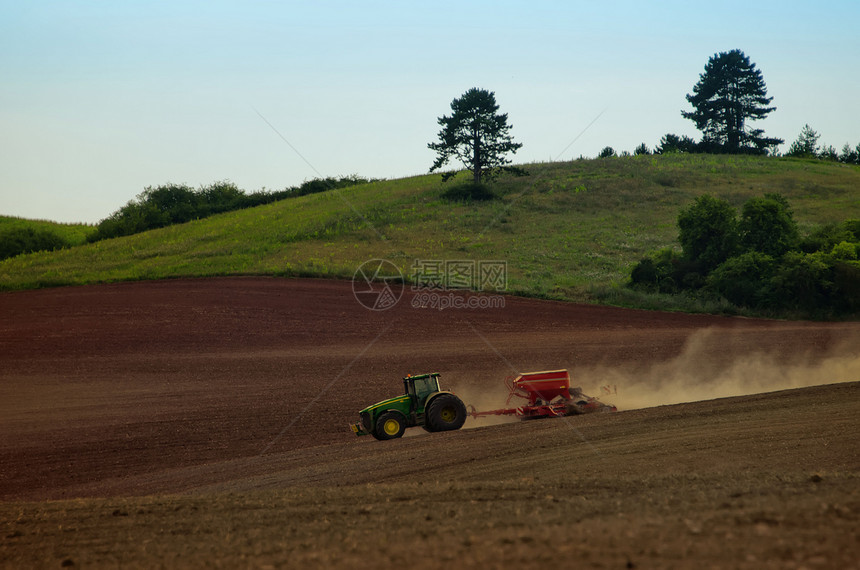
(569, 230)
(74, 234)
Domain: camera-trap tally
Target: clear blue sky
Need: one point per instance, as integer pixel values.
(100, 99)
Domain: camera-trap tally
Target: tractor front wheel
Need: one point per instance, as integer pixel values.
(445, 413)
(390, 425)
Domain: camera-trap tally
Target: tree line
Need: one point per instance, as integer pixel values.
(759, 259)
(164, 205)
(806, 146)
(169, 204)
(729, 96)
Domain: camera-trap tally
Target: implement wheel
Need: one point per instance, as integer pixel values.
(390, 425)
(445, 413)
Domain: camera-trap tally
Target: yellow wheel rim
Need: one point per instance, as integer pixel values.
(391, 427)
(448, 415)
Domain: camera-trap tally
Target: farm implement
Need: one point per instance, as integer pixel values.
(547, 394)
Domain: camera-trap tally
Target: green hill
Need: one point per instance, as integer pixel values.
(74, 234)
(569, 230)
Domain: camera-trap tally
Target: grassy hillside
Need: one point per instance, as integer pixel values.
(73, 233)
(568, 230)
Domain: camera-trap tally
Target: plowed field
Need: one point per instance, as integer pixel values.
(205, 423)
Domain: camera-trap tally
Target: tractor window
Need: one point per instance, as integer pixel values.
(421, 387)
(426, 386)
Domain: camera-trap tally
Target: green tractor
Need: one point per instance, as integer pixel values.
(424, 404)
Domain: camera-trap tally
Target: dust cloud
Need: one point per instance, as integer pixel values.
(474, 394)
(698, 374)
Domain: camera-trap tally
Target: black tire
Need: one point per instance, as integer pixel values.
(389, 425)
(446, 412)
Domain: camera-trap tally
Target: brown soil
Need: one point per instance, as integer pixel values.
(204, 422)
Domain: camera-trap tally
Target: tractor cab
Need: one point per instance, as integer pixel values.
(419, 387)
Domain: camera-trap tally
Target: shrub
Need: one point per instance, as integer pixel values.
(645, 273)
(845, 251)
(803, 281)
(767, 225)
(673, 143)
(708, 232)
(806, 144)
(823, 238)
(642, 149)
(744, 280)
(758, 262)
(168, 204)
(221, 197)
(846, 280)
(18, 240)
(850, 155)
(607, 152)
(829, 153)
(852, 227)
(176, 203)
(666, 272)
(468, 192)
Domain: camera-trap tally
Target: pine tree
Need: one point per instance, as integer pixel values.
(806, 144)
(477, 135)
(850, 155)
(673, 143)
(730, 92)
(641, 149)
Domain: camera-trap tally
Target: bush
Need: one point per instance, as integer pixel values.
(824, 238)
(221, 197)
(744, 280)
(845, 251)
(803, 281)
(607, 152)
(666, 272)
(468, 192)
(853, 228)
(177, 203)
(806, 145)
(708, 232)
(850, 155)
(642, 149)
(645, 273)
(673, 143)
(767, 225)
(758, 262)
(846, 280)
(18, 240)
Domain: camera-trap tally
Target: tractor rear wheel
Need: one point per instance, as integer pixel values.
(445, 413)
(390, 425)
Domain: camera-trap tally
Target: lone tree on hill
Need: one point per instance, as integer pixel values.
(729, 92)
(476, 135)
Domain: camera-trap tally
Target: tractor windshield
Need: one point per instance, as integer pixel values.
(424, 386)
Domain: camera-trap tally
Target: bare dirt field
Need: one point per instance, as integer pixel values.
(204, 423)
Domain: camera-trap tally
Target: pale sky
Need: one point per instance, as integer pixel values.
(100, 99)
